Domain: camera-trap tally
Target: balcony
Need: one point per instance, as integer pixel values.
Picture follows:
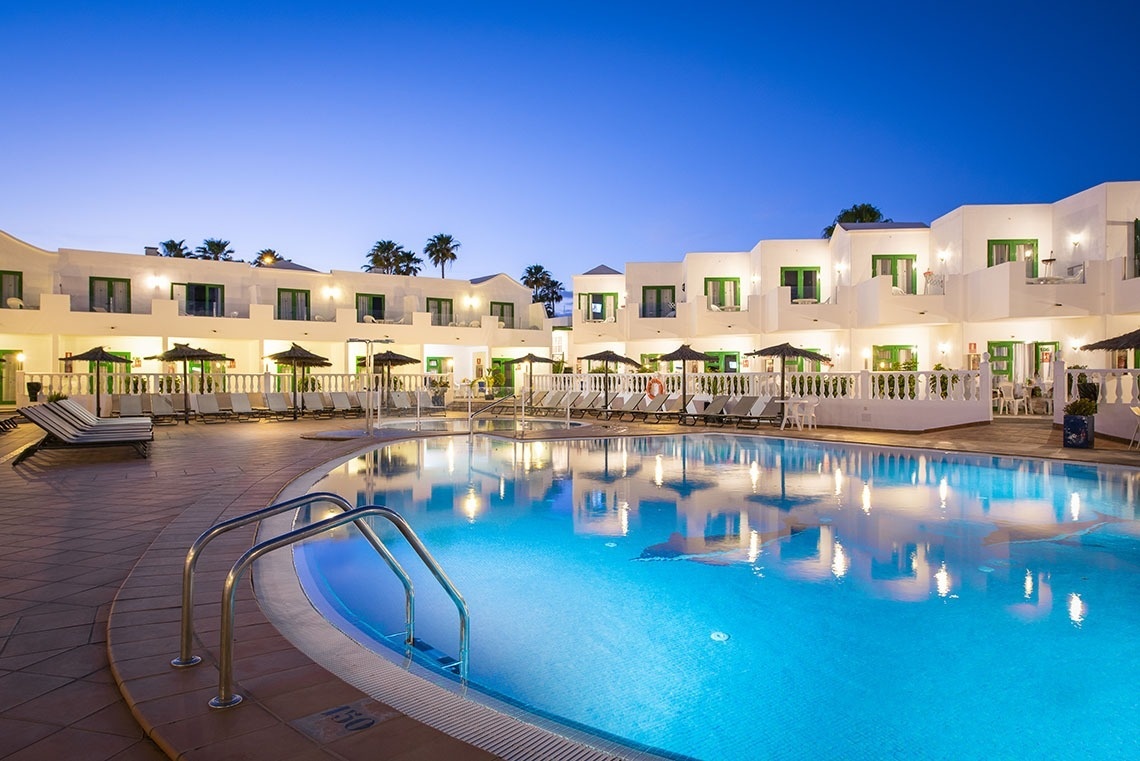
(1004, 292)
(781, 312)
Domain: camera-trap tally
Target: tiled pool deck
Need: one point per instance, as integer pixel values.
(90, 572)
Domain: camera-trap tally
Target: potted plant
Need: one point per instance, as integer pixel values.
(1078, 431)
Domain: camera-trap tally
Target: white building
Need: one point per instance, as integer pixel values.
(60, 303)
(1024, 283)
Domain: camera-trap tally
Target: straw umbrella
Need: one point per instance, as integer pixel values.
(1120, 343)
(605, 357)
(298, 356)
(184, 353)
(98, 355)
(784, 351)
(386, 360)
(530, 359)
(685, 353)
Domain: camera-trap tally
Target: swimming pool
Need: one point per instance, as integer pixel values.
(724, 597)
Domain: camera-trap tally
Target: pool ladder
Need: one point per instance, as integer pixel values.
(226, 697)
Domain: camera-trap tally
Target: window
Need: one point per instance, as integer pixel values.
(659, 301)
(599, 307)
(1135, 249)
(1001, 360)
(895, 357)
(199, 299)
(1044, 352)
(804, 282)
(726, 362)
(723, 292)
(504, 312)
(292, 304)
(110, 294)
(805, 365)
(369, 305)
(440, 311)
(439, 365)
(650, 360)
(1002, 251)
(900, 268)
(11, 287)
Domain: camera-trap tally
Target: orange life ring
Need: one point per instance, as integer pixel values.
(654, 388)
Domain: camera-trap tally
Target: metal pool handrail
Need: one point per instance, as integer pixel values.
(226, 697)
(185, 658)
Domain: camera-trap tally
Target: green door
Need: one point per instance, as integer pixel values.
(1001, 360)
(503, 374)
(8, 367)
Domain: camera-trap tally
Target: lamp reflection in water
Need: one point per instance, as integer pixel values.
(1075, 506)
(838, 482)
(1077, 609)
(753, 546)
(839, 561)
(754, 474)
(867, 499)
(942, 580)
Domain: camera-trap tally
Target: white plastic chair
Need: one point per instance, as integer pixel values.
(1136, 433)
(1008, 403)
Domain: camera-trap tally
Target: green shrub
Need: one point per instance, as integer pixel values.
(1082, 407)
(55, 396)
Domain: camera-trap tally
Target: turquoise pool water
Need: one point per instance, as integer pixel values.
(722, 597)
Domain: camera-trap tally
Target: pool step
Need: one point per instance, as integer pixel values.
(435, 657)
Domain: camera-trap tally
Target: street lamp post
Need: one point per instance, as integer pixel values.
(369, 370)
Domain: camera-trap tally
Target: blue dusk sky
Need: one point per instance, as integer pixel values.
(563, 134)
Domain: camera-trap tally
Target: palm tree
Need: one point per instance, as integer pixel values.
(383, 257)
(551, 294)
(407, 263)
(534, 278)
(860, 212)
(175, 248)
(440, 250)
(216, 249)
(266, 257)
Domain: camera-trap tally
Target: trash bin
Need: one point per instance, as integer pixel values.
(34, 389)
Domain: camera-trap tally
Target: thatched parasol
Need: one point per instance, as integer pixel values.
(298, 356)
(184, 353)
(98, 355)
(386, 360)
(1120, 343)
(685, 353)
(606, 357)
(530, 359)
(784, 351)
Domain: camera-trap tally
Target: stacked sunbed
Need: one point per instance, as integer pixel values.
(68, 424)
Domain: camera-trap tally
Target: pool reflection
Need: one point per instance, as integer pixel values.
(903, 525)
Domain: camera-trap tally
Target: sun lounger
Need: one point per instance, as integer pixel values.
(208, 409)
(130, 406)
(618, 406)
(425, 404)
(584, 403)
(551, 403)
(81, 417)
(712, 414)
(773, 412)
(670, 410)
(400, 403)
(563, 404)
(162, 409)
(278, 405)
(241, 408)
(62, 433)
(646, 406)
(341, 404)
(741, 409)
(313, 402)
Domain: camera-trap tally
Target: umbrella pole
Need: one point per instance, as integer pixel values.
(185, 393)
(294, 391)
(606, 385)
(98, 409)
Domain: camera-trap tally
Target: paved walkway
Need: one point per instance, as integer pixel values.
(90, 564)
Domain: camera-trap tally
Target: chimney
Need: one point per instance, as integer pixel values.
(151, 251)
